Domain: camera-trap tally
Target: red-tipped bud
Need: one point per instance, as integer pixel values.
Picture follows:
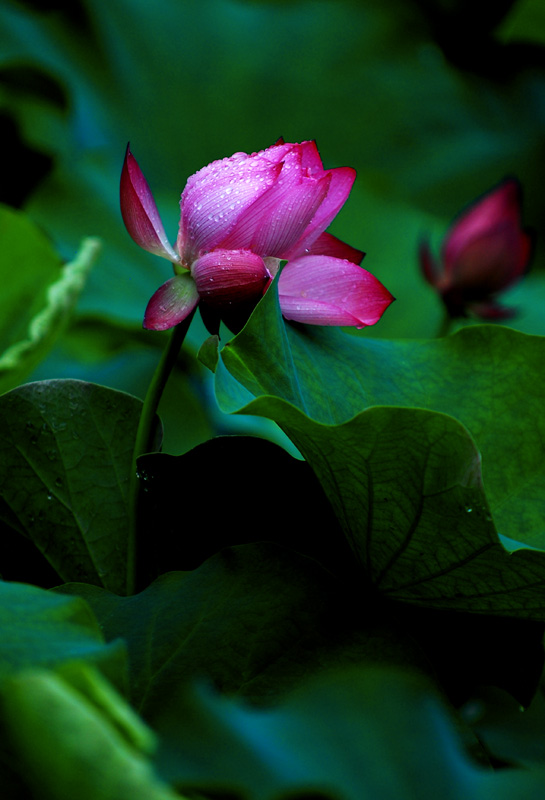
(228, 277)
(485, 251)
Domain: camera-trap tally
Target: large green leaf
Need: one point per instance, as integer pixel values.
(124, 357)
(364, 734)
(65, 455)
(382, 486)
(255, 619)
(62, 744)
(45, 629)
(405, 485)
(490, 378)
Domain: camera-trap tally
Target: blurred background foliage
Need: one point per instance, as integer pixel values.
(432, 101)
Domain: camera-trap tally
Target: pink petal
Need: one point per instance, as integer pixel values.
(139, 211)
(328, 245)
(171, 303)
(303, 163)
(311, 159)
(499, 207)
(321, 290)
(291, 211)
(216, 197)
(277, 152)
(282, 214)
(227, 277)
(341, 182)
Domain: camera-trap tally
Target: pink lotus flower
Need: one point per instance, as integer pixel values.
(485, 251)
(242, 216)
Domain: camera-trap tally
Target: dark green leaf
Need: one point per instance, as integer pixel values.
(124, 357)
(46, 629)
(466, 649)
(255, 619)
(65, 455)
(361, 735)
(258, 492)
(483, 376)
(405, 485)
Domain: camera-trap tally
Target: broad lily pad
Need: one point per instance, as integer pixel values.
(406, 487)
(47, 630)
(255, 619)
(490, 378)
(65, 456)
(386, 499)
(358, 734)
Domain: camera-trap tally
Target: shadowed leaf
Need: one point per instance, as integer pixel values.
(65, 455)
(363, 734)
(483, 376)
(255, 619)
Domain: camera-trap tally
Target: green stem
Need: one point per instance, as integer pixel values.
(136, 551)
